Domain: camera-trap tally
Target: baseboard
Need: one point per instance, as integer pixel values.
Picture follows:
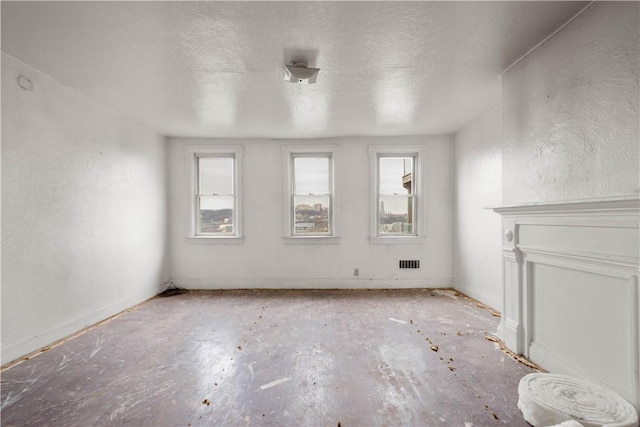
(313, 283)
(510, 333)
(15, 351)
(479, 295)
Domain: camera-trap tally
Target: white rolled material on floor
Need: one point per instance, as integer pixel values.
(570, 423)
(550, 399)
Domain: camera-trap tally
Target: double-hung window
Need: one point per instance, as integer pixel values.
(215, 203)
(310, 186)
(396, 193)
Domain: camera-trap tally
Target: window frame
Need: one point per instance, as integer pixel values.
(376, 152)
(289, 153)
(194, 153)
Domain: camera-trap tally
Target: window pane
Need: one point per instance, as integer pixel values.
(396, 175)
(395, 214)
(311, 175)
(216, 214)
(311, 214)
(216, 175)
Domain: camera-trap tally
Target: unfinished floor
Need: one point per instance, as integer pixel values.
(295, 358)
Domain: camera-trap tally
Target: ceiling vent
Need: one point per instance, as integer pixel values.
(300, 73)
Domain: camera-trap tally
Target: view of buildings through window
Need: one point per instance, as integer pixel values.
(215, 195)
(311, 194)
(395, 195)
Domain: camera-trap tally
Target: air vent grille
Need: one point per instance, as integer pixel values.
(409, 263)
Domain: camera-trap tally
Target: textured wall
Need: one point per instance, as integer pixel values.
(265, 260)
(83, 211)
(571, 131)
(571, 111)
(477, 163)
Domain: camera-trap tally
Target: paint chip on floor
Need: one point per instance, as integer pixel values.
(445, 293)
(397, 320)
(274, 383)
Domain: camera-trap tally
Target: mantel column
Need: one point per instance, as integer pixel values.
(511, 323)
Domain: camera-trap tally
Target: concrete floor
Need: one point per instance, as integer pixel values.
(321, 358)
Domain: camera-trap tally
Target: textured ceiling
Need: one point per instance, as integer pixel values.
(215, 68)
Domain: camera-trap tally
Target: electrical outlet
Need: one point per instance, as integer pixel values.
(356, 272)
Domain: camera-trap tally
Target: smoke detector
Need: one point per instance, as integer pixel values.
(300, 73)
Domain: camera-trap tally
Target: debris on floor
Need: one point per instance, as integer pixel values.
(287, 355)
(500, 345)
(274, 383)
(172, 290)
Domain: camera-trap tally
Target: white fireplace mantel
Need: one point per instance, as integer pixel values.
(571, 295)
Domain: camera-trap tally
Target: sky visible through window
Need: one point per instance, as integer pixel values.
(216, 176)
(311, 176)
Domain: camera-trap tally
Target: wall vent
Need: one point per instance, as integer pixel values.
(409, 263)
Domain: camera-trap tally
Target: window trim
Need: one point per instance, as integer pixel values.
(375, 153)
(289, 152)
(194, 152)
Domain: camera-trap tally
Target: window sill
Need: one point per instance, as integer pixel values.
(397, 240)
(311, 240)
(215, 240)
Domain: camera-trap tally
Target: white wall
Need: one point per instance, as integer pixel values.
(477, 243)
(571, 132)
(84, 212)
(265, 260)
(571, 111)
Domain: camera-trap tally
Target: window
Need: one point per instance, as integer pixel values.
(311, 194)
(215, 202)
(310, 187)
(396, 190)
(396, 196)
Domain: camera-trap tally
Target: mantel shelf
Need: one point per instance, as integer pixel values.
(613, 204)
